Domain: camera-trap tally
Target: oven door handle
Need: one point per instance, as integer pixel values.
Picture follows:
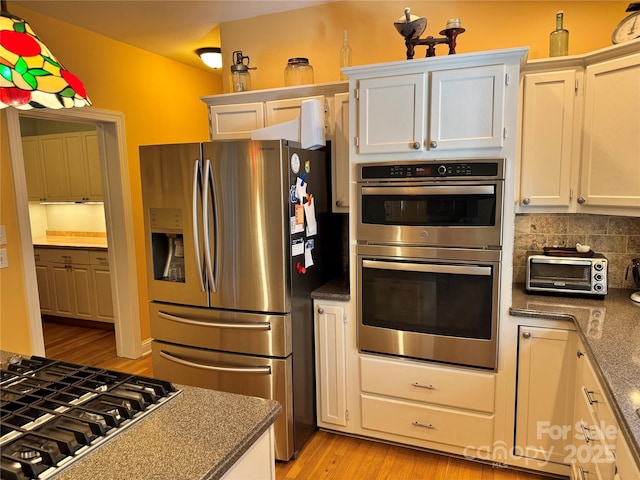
(172, 358)
(432, 190)
(428, 268)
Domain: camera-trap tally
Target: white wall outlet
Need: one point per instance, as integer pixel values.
(4, 263)
(3, 235)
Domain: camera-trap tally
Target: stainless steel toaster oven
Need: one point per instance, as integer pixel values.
(569, 275)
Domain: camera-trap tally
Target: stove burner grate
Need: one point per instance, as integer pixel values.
(54, 412)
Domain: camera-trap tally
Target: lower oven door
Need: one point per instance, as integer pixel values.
(432, 304)
(264, 377)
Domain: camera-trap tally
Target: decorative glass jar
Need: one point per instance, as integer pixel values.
(298, 72)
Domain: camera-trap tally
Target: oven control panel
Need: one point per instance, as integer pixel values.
(397, 171)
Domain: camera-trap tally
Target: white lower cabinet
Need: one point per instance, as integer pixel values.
(257, 463)
(593, 451)
(331, 367)
(428, 403)
(546, 382)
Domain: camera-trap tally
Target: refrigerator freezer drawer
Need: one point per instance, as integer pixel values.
(268, 378)
(231, 331)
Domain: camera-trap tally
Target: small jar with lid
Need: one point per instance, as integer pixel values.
(298, 72)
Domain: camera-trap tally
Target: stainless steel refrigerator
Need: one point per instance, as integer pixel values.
(236, 237)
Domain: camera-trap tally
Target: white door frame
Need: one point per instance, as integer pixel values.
(118, 215)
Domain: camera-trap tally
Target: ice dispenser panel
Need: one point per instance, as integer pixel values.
(167, 244)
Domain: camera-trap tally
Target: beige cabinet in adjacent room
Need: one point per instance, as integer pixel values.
(63, 167)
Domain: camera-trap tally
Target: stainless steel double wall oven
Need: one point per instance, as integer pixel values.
(429, 253)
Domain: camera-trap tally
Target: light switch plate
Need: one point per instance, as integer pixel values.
(4, 263)
(3, 235)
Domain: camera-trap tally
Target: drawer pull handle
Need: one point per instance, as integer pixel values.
(418, 424)
(197, 323)
(172, 358)
(582, 473)
(418, 385)
(587, 394)
(585, 432)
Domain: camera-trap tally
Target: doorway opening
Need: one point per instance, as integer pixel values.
(111, 145)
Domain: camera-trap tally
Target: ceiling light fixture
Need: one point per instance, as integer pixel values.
(30, 76)
(211, 56)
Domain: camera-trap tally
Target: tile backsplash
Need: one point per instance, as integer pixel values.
(617, 238)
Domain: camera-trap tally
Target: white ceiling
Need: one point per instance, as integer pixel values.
(171, 28)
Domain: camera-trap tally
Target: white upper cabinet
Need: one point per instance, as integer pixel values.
(580, 133)
(467, 108)
(610, 173)
(391, 114)
(436, 107)
(550, 137)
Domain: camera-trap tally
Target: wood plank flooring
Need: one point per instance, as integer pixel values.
(326, 456)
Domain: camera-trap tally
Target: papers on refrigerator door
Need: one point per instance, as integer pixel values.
(297, 247)
(310, 214)
(308, 253)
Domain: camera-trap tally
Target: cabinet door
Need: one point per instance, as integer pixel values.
(279, 111)
(610, 174)
(92, 166)
(391, 114)
(101, 279)
(55, 171)
(44, 289)
(75, 157)
(549, 148)
(340, 157)
(330, 364)
(32, 157)
(232, 122)
(83, 291)
(467, 108)
(63, 289)
(545, 392)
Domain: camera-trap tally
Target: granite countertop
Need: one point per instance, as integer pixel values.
(336, 289)
(197, 434)
(610, 331)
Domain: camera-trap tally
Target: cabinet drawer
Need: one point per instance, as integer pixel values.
(593, 393)
(99, 257)
(62, 255)
(461, 429)
(425, 383)
(593, 444)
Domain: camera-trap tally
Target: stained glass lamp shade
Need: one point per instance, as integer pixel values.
(30, 76)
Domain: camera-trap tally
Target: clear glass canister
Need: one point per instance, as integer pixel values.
(298, 72)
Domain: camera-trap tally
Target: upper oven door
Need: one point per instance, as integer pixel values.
(447, 213)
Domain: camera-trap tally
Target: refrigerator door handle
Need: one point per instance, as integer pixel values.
(241, 326)
(206, 189)
(166, 355)
(197, 174)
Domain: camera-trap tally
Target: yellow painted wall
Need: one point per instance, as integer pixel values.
(316, 32)
(161, 103)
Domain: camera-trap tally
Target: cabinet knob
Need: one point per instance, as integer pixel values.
(433, 144)
(338, 203)
(526, 335)
(581, 200)
(415, 145)
(580, 354)
(526, 201)
(320, 310)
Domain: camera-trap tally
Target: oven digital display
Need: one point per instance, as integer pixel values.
(424, 171)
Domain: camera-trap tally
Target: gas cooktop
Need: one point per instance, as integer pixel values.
(53, 412)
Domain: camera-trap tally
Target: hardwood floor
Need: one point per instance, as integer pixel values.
(326, 456)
